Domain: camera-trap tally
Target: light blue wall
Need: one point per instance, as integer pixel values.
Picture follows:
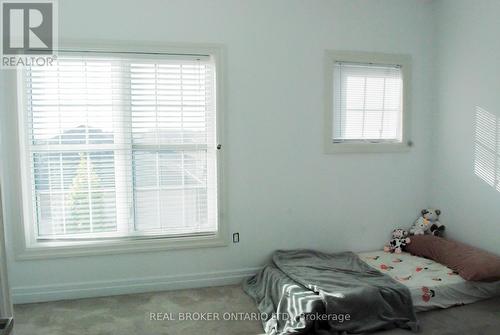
(468, 69)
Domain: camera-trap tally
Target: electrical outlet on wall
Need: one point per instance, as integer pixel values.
(236, 238)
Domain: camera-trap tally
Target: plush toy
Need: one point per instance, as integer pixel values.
(428, 223)
(399, 240)
(436, 228)
(421, 226)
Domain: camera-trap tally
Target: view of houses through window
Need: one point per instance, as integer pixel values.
(122, 145)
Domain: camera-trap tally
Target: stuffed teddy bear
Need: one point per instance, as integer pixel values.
(428, 223)
(436, 228)
(399, 240)
(421, 226)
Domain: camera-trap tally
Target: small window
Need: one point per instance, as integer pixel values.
(121, 145)
(368, 102)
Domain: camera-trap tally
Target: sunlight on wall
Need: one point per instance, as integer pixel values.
(487, 148)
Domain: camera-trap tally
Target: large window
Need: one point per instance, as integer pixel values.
(121, 145)
(368, 101)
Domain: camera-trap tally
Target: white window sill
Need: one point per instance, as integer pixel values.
(47, 250)
(361, 147)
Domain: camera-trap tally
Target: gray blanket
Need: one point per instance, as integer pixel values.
(309, 292)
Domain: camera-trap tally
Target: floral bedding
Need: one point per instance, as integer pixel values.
(432, 285)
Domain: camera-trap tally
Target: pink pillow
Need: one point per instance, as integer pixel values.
(470, 263)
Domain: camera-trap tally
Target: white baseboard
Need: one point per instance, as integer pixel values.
(30, 294)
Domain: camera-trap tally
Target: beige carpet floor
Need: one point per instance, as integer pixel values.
(131, 314)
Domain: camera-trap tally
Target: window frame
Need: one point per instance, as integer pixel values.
(354, 146)
(33, 248)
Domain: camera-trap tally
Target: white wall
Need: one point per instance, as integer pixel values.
(468, 67)
(283, 192)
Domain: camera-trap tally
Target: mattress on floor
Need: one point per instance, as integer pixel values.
(432, 285)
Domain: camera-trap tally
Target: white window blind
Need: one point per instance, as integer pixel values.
(122, 145)
(368, 103)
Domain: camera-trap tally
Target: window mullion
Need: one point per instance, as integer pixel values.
(127, 126)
